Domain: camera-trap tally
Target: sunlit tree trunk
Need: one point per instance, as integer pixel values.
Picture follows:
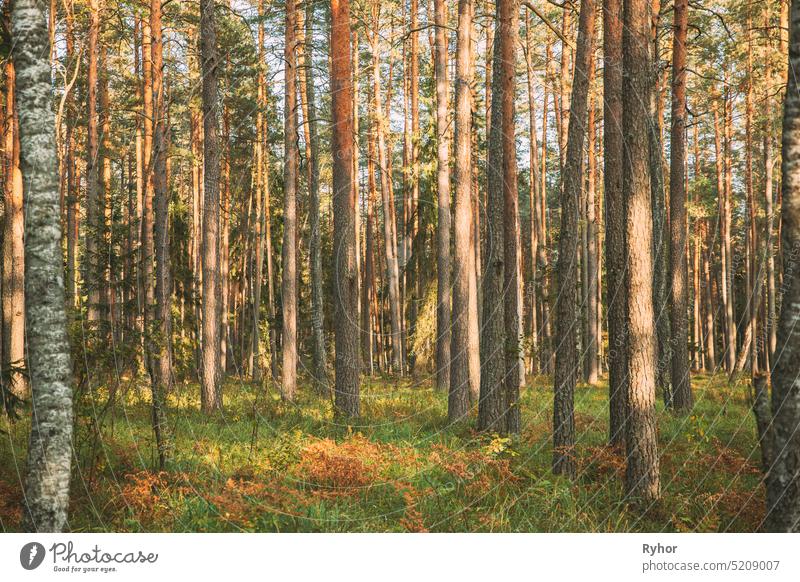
(464, 357)
(290, 179)
(642, 474)
(591, 268)
(443, 200)
(345, 279)
(13, 287)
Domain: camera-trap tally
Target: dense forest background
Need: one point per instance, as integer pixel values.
(408, 265)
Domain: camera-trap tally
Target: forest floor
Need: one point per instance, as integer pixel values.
(272, 466)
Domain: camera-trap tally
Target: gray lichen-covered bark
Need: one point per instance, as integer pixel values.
(783, 480)
(50, 446)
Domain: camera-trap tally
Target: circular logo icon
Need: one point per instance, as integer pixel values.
(31, 555)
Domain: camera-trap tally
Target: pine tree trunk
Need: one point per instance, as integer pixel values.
(658, 198)
(319, 371)
(92, 274)
(345, 283)
(212, 391)
(464, 357)
(13, 288)
(159, 328)
(290, 178)
(592, 330)
(681, 381)
(514, 371)
(642, 474)
(443, 201)
(567, 365)
(389, 222)
(535, 235)
(50, 444)
(498, 332)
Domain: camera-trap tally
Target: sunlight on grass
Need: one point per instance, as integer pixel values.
(269, 465)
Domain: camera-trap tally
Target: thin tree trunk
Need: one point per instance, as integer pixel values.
(443, 201)
(320, 373)
(13, 288)
(592, 330)
(159, 328)
(92, 274)
(660, 234)
(514, 370)
(389, 223)
(290, 178)
(681, 381)
(212, 391)
(566, 370)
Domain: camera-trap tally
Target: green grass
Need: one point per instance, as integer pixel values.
(268, 465)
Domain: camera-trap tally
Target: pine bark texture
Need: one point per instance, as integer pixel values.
(290, 178)
(318, 354)
(345, 281)
(679, 320)
(567, 325)
(211, 391)
(642, 474)
(443, 224)
(464, 358)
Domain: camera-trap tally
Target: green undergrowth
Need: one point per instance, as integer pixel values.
(268, 465)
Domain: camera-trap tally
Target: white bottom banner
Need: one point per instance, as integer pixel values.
(389, 557)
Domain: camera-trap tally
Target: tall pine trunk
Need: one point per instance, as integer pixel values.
(345, 280)
(464, 357)
(211, 392)
(567, 364)
(642, 474)
(319, 371)
(679, 324)
(443, 200)
(290, 179)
